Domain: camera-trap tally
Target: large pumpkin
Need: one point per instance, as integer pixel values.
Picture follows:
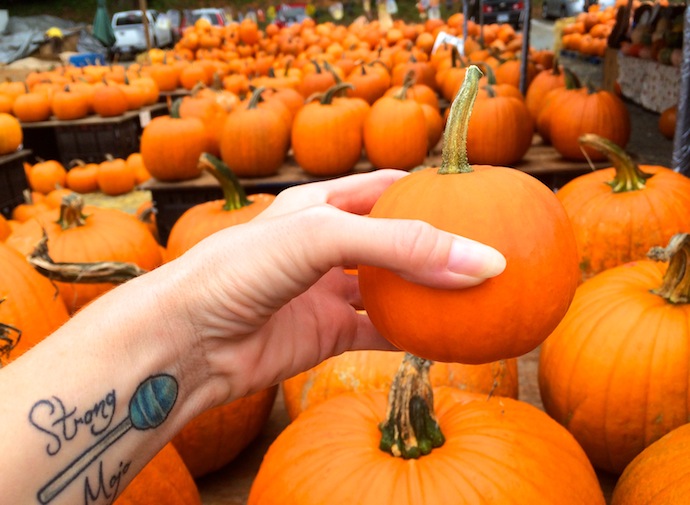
(395, 131)
(438, 447)
(619, 213)
(659, 475)
(202, 220)
(11, 134)
(576, 112)
(615, 370)
(87, 234)
(28, 303)
(214, 438)
(165, 479)
(171, 146)
(362, 371)
(255, 137)
(327, 135)
(505, 316)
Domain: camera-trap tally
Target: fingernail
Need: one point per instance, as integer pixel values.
(475, 259)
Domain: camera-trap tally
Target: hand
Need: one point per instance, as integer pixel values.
(269, 299)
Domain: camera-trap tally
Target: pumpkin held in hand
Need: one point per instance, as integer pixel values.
(505, 316)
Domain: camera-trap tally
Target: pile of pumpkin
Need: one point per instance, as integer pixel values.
(578, 280)
(503, 434)
(588, 32)
(69, 92)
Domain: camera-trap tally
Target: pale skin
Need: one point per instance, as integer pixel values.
(243, 310)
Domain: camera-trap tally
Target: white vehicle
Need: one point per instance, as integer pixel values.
(129, 30)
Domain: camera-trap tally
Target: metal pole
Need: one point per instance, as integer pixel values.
(526, 28)
(465, 15)
(681, 140)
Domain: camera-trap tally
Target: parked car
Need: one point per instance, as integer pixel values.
(498, 11)
(130, 36)
(554, 9)
(290, 14)
(216, 17)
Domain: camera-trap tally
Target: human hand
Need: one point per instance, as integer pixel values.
(270, 298)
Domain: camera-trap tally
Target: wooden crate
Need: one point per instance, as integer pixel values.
(91, 138)
(13, 180)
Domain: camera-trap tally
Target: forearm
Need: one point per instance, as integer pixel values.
(71, 431)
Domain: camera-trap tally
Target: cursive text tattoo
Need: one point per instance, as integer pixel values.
(61, 424)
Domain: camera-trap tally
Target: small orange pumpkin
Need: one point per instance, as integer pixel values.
(505, 316)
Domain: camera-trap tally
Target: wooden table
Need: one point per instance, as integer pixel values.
(171, 199)
(89, 138)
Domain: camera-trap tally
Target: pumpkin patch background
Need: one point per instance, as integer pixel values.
(406, 89)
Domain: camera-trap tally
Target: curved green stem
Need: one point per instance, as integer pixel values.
(411, 429)
(454, 159)
(256, 97)
(233, 192)
(676, 284)
(327, 97)
(628, 176)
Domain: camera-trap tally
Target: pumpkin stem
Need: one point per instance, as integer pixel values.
(327, 97)
(454, 157)
(233, 192)
(256, 97)
(175, 108)
(115, 272)
(629, 176)
(676, 284)
(572, 81)
(409, 81)
(411, 429)
(71, 215)
(7, 341)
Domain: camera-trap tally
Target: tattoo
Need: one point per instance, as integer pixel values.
(60, 424)
(109, 490)
(148, 408)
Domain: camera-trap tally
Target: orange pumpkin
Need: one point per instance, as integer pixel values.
(215, 438)
(363, 371)
(505, 316)
(395, 131)
(659, 475)
(29, 303)
(327, 136)
(46, 175)
(115, 177)
(11, 134)
(82, 177)
(619, 213)
(87, 234)
(202, 220)
(440, 446)
(614, 372)
(667, 121)
(171, 145)
(255, 138)
(164, 479)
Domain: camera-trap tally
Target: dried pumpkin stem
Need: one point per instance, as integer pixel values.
(454, 159)
(233, 192)
(115, 272)
(676, 284)
(628, 176)
(7, 340)
(71, 211)
(411, 429)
